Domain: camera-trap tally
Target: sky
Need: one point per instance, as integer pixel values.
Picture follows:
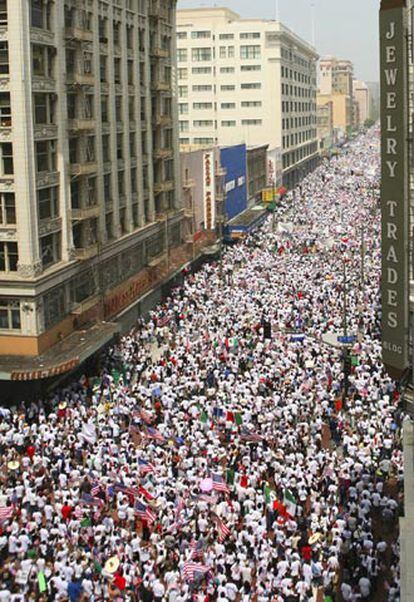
(346, 29)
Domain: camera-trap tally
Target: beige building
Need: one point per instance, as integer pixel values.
(325, 124)
(89, 175)
(335, 83)
(247, 81)
(363, 101)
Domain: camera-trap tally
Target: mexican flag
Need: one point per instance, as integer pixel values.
(238, 419)
(289, 502)
(270, 494)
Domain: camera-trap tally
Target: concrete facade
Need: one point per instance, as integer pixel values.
(256, 173)
(335, 84)
(363, 100)
(247, 81)
(90, 185)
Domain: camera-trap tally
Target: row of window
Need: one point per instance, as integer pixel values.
(209, 123)
(297, 122)
(196, 35)
(183, 71)
(183, 90)
(293, 157)
(297, 107)
(183, 107)
(289, 55)
(208, 54)
(298, 91)
(295, 75)
(298, 138)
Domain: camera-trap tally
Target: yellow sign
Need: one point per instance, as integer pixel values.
(269, 195)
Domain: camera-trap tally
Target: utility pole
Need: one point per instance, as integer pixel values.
(346, 366)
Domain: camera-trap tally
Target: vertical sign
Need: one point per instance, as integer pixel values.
(394, 186)
(209, 191)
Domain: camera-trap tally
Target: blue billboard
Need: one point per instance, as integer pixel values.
(234, 160)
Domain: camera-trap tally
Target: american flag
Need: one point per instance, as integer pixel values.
(249, 436)
(145, 467)
(144, 512)
(128, 490)
(146, 494)
(96, 488)
(223, 530)
(145, 416)
(209, 499)
(153, 433)
(219, 484)
(89, 500)
(6, 512)
(197, 551)
(192, 570)
(163, 321)
(179, 508)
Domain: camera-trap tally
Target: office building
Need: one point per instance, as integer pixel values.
(89, 182)
(247, 82)
(335, 85)
(363, 100)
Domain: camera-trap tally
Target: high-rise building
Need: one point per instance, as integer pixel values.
(363, 100)
(335, 79)
(247, 81)
(89, 175)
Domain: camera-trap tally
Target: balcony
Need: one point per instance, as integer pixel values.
(82, 124)
(163, 120)
(83, 169)
(163, 153)
(85, 212)
(161, 86)
(86, 252)
(81, 79)
(161, 53)
(188, 183)
(165, 186)
(78, 33)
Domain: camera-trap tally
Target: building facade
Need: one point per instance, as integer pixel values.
(89, 182)
(335, 84)
(325, 124)
(363, 100)
(256, 173)
(247, 81)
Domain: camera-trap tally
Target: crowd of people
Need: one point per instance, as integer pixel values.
(222, 454)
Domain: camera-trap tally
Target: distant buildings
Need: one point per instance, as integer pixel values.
(336, 88)
(363, 101)
(247, 82)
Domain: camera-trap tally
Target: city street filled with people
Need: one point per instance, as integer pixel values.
(222, 454)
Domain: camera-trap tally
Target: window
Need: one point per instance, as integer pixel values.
(201, 70)
(184, 140)
(228, 105)
(251, 122)
(119, 146)
(9, 314)
(48, 202)
(227, 88)
(203, 140)
(104, 109)
(54, 306)
(117, 70)
(204, 123)
(255, 86)
(230, 52)
(118, 109)
(116, 33)
(226, 36)
(182, 55)
(250, 68)
(202, 88)
(249, 52)
(250, 35)
(103, 64)
(222, 52)
(46, 155)
(44, 108)
(42, 60)
(83, 286)
(184, 126)
(202, 105)
(50, 249)
(226, 69)
(251, 103)
(5, 110)
(183, 91)
(181, 35)
(228, 124)
(201, 54)
(182, 73)
(107, 188)
(132, 145)
(3, 12)
(182, 108)
(4, 58)
(131, 108)
(7, 208)
(40, 14)
(200, 34)
(7, 159)
(8, 256)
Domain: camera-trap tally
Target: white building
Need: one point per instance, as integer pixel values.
(249, 81)
(363, 100)
(88, 162)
